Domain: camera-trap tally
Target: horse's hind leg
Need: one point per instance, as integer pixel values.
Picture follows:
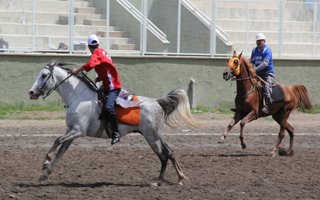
(169, 153)
(284, 125)
(290, 130)
(164, 153)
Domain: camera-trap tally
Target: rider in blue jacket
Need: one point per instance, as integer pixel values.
(261, 58)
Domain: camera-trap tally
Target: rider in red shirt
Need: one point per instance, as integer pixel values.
(101, 62)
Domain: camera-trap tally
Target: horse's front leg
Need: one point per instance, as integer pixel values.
(65, 142)
(250, 117)
(47, 159)
(236, 118)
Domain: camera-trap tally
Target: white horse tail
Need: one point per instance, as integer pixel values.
(176, 108)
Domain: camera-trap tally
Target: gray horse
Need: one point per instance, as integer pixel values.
(82, 117)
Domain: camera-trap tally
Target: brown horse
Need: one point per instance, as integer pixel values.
(249, 101)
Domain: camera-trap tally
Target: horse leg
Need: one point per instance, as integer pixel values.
(169, 153)
(65, 142)
(156, 146)
(236, 118)
(283, 125)
(250, 117)
(47, 159)
(164, 153)
(290, 130)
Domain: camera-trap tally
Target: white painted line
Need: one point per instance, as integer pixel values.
(168, 134)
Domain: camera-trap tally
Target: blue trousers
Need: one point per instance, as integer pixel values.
(111, 102)
(108, 109)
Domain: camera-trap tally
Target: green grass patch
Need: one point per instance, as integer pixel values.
(315, 110)
(31, 111)
(204, 109)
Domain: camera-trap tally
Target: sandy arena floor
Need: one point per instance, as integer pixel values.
(92, 169)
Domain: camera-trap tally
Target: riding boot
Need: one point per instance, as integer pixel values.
(266, 104)
(115, 133)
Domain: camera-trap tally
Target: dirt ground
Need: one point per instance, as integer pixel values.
(93, 169)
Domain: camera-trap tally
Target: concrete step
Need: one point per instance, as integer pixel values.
(40, 5)
(232, 25)
(87, 10)
(43, 17)
(288, 37)
(272, 4)
(79, 18)
(95, 22)
(251, 14)
(49, 29)
(123, 47)
(112, 34)
(50, 42)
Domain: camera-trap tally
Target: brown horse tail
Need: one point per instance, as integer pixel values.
(303, 98)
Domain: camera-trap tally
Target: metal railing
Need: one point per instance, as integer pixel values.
(183, 27)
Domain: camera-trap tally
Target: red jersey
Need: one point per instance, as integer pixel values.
(107, 72)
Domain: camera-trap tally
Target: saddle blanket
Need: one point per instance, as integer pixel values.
(127, 109)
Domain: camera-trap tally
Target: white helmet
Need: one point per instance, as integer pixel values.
(260, 36)
(93, 39)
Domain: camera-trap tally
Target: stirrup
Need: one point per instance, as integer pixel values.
(265, 110)
(115, 138)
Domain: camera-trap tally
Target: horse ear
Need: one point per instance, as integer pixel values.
(234, 53)
(51, 63)
(240, 55)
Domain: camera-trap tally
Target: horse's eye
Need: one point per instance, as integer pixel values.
(44, 75)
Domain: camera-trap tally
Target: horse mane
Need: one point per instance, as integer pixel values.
(81, 77)
(250, 69)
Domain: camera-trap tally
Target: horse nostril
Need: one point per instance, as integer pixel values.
(31, 92)
(225, 74)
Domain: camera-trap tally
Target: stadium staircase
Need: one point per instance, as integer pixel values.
(51, 25)
(264, 17)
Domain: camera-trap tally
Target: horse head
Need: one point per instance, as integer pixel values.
(233, 66)
(45, 81)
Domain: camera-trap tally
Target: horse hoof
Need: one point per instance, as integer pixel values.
(221, 141)
(43, 178)
(243, 146)
(45, 165)
(283, 152)
(156, 184)
(273, 154)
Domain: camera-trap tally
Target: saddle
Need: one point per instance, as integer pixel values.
(127, 108)
(277, 94)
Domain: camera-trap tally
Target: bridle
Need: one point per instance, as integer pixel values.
(56, 85)
(249, 77)
(236, 68)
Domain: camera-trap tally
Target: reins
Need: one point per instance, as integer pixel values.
(53, 89)
(93, 85)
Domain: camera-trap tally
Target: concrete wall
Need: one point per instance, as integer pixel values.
(155, 76)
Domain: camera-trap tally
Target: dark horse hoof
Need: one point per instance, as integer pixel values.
(243, 145)
(284, 152)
